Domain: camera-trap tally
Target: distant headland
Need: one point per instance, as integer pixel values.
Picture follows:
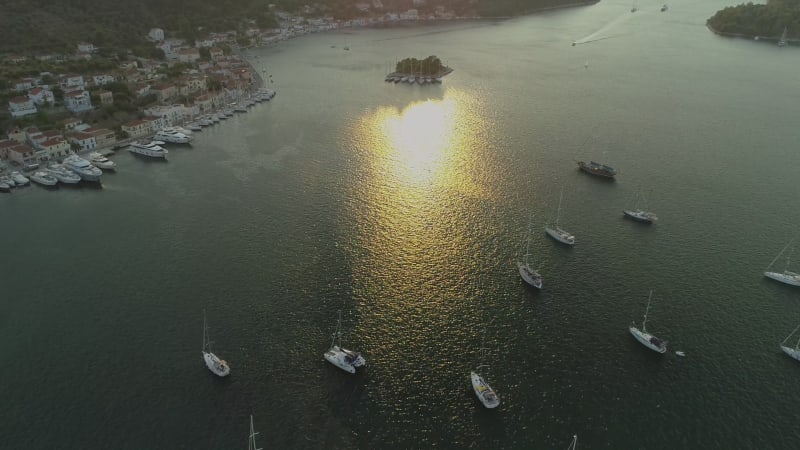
(771, 22)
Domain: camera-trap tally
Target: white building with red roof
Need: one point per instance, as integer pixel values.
(78, 101)
(41, 96)
(21, 106)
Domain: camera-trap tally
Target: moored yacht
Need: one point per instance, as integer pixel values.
(82, 167)
(63, 175)
(99, 160)
(151, 149)
(19, 179)
(640, 216)
(44, 178)
(6, 183)
(173, 136)
(342, 358)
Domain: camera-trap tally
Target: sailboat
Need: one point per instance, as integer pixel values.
(251, 441)
(530, 275)
(485, 393)
(782, 41)
(640, 215)
(556, 232)
(647, 339)
(218, 366)
(793, 352)
(574, 444)
(342, 358)
(786, 276)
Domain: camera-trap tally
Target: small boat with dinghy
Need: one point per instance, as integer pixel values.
(44, 178)
(648, 340)
(216, 365)
(339, 356)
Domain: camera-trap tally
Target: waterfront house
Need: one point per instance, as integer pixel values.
(22, 154)
(78, 101)
(196, 83)
(141, 90)
(85, 141)
(85, 47)
(70, 123)
(102, 79)
(31, 134)
(23, 84)
(16, 134)
(5, 145)
(41, 96)
(102, 136)
(172, 114)
(53, 149)
(156, 123)
(137, 128)
(21, 106)
(204, 103)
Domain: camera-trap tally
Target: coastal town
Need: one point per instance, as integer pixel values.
(184, 87)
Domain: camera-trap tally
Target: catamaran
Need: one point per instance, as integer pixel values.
(647, 339)
(529, 274)
(342, 358)
(218, 366)
(561, 235)
(786, 276)
(793, 352)
(485, 393)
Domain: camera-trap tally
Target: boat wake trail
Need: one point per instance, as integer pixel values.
(600, 34)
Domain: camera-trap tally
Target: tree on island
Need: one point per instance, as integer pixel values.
(751, 20)
(429, 66)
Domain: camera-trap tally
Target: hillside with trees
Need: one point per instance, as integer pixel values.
(758, 20)
(42, 26)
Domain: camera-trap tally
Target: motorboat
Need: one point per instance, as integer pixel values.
(4, 186)
(19, 179)
(194, 127)
(99, 160)
(340, 357)
(152, 149)
(44, 178)
(82, 167)
(63, 175)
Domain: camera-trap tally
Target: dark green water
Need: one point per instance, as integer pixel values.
(406, 208)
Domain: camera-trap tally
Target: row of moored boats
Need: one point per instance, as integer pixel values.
(411, 79)
(71, 170)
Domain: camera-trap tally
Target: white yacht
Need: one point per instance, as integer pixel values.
(218, 366)
(82, 167)
(44, 178)
(6, 183)
(151, 149)
(485, 393)
(640, 215)
(793, 352)
(19, 179)
(173, 137)
(101, 161)
(787, 276)
(528, 273)
(648, 340)
(205, 122)
(342, 358)
(63, 175)
(557, 233)
(194, 126)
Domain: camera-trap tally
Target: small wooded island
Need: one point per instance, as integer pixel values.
(775, 21)
(413, 70)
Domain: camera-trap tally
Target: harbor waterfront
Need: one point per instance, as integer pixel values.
(406, 208)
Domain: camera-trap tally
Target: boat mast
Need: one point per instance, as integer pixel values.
(205, 331)
(338, 332)
(574, 444)
(558, 212)
(646, 310)
(790, 335)
(779, 255)
(251, 444)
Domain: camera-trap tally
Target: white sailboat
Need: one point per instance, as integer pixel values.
(639, 214)
(528, 273)
(218, 366)
(574, 444)
(483, 391)
(342, 358)
(647, 339)
(783, 41)
(793, 352)
(561, 235)
(786, 276)
(251, 441)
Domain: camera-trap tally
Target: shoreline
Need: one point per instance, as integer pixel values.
(748, 37)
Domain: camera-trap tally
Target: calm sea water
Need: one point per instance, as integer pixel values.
(406, 208)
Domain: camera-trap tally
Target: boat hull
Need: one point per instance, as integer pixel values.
(640, 216)
(529, 275)
(560, 235)
(646, 339)
(597, 170)
(44, 179)
(344, 359)
(794, 353)
(484, 392)
(786, 277)
(215, 365)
